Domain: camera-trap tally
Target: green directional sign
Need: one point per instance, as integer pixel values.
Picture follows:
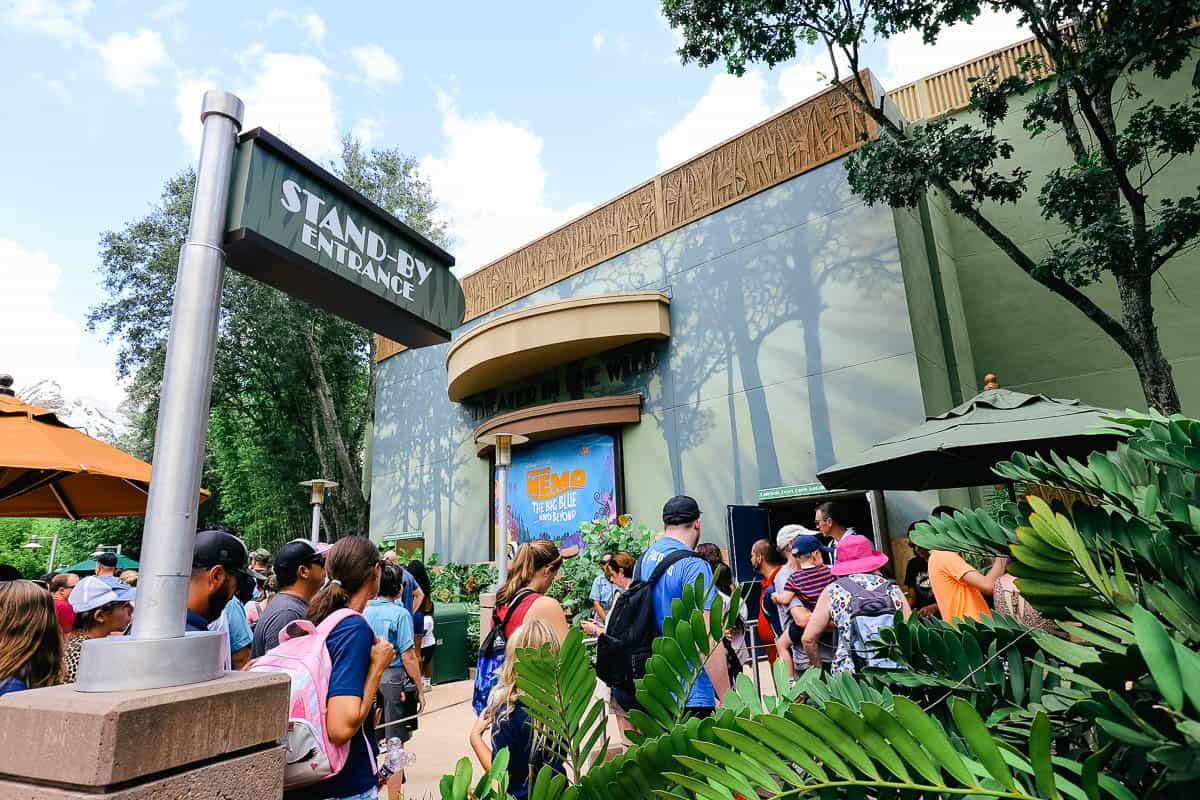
(295, 226)
(796, 490)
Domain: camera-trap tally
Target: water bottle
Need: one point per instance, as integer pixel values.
(395, 757)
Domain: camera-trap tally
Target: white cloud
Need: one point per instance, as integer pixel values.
(376, 64)
(803, 79)
(368, 130)
(45, 342)
(291, 97)
(491, 184)
(909, 58)
(308, 21)
(313, 25)
(131, 60)
(169, 10)
(59, 19)
(598, 41)
(731, 105)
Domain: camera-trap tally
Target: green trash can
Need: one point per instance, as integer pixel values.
(450, 630)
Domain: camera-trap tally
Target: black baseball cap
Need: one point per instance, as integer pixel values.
(295, 554)
(107, 559)
(680, 510)
(221, 548)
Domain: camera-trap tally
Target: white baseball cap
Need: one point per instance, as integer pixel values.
(93, 592)
(789, 532)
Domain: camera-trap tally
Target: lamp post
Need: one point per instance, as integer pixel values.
(318, 487)
(34, 544)
(502, 442)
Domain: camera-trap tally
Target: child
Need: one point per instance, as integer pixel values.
(800, 594)
(510, 724)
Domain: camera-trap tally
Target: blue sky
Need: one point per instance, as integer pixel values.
(523, 115)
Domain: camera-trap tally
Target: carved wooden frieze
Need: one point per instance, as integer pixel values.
(788, 144)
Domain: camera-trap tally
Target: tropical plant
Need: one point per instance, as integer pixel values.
(574, 584)
(980, 709)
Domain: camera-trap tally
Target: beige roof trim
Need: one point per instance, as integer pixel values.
(522, 343)
(559, 419)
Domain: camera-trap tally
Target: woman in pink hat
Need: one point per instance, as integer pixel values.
(858, 583)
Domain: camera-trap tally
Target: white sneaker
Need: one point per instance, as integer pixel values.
(425, 684)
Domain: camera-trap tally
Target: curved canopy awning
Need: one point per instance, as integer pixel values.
(559, 419)
(525, 342)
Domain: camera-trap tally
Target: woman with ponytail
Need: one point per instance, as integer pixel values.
(359, 658)
(530, 575)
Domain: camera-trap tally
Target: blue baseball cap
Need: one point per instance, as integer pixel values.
(93, 592)
(804, 544)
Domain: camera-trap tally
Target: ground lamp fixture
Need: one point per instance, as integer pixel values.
(34, 544)
(318, 487)
(502, 442)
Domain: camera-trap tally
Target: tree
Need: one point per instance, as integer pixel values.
(978, 709)
(293, 386)
(1116, 223)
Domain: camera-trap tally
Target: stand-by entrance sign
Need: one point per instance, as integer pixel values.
(287, 222)
(293, 225)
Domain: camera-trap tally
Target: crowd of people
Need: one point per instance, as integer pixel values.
(822, 597)
(380, 656)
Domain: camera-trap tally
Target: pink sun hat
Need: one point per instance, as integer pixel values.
(855, 554)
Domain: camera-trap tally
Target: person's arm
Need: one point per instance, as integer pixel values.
(418, 598)
(483, 751)
(548, 610)
(986, 584)
(240, 658)
(817, 623)
(344, 714)
(800, 615)
(783, 598)
(717, 668)
(412, 665)
(599, 607)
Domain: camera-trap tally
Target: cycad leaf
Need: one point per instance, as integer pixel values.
(973, 729)
(1159, 653)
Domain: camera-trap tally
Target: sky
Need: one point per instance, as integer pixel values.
(522, 116)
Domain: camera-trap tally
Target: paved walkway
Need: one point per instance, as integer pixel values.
(443, 736)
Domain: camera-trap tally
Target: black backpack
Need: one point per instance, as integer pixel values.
(625, 646)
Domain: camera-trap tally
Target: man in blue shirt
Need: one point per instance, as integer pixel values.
(218, 557)
(681, 531)
(602, 589)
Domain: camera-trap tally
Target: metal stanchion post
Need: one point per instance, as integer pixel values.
(159, 654)
(317, 498)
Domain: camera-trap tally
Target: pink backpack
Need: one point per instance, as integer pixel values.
(303, 657)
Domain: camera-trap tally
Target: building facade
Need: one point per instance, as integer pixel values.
(726, 330)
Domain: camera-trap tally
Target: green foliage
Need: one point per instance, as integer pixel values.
(980, 709)
(574, 582)
(1115, 222)
(293, 387)
(557, 689)
(77, 540)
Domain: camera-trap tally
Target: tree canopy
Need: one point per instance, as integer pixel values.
(1116, 224)
(293, 386)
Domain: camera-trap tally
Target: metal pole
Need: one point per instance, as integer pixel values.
(316, 523)
(502, 522)
(53, 553)
(166, 562)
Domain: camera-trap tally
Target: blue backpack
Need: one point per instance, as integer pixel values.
(491, 654)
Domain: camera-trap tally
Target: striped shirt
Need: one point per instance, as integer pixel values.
(807, 583)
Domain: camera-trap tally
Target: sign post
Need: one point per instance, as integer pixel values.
(289, 223)
(158, 654)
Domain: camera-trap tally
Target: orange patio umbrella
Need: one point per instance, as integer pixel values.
(49, 469)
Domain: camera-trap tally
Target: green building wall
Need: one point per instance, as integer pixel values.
(997, 319)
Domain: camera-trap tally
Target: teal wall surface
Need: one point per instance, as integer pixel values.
(1030, 338)
(790, 348)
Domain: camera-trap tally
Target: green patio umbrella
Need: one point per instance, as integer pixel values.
(89, 566)
(960, 447)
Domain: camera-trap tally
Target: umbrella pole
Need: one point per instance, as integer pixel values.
(159, 654)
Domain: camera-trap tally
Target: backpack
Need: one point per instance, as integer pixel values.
(625, 646)
(302, 655)
(871, 610)
(491, 654)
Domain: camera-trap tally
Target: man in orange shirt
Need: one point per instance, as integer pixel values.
(959, 588)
